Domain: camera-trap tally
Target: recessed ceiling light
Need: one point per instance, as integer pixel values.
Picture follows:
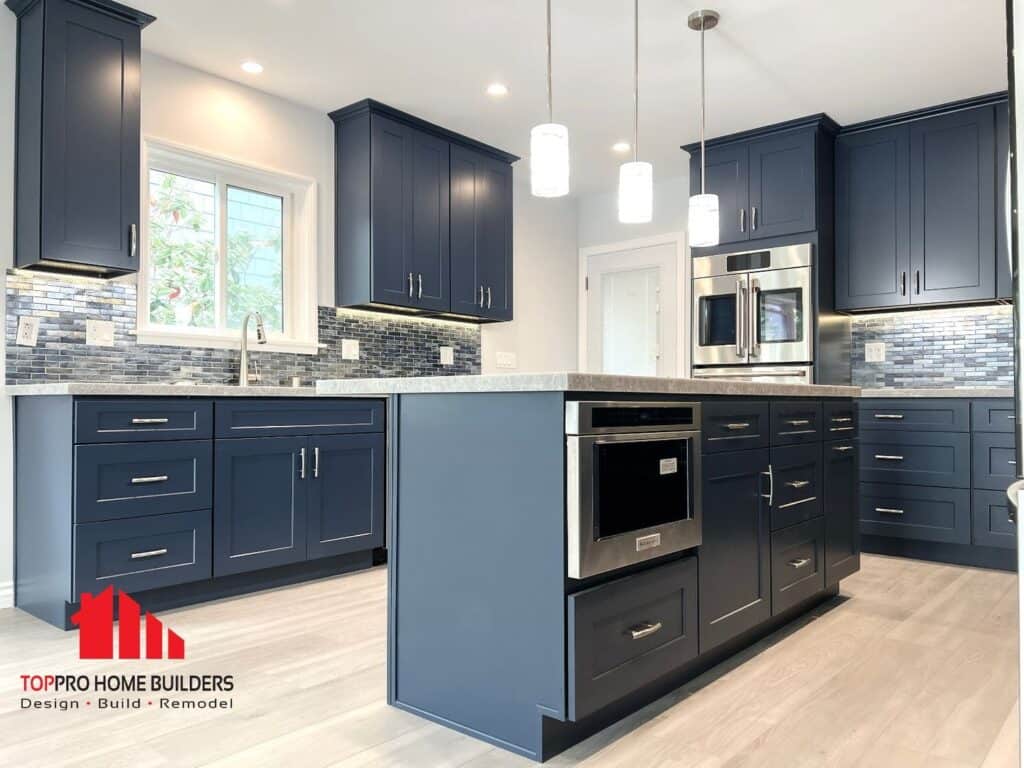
(621, 147)
(497, 89)
(252, 67)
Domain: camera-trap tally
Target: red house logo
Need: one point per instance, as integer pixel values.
(95, 622)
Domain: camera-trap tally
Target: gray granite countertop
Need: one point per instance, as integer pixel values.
(965, 392)
(575, 382)
(157, 390)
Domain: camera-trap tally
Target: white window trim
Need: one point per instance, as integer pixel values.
(300, 251)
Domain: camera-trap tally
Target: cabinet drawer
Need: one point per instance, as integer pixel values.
(731, 426)
(946, 415)
(921, 458)
(796, 422)
(143, 553)
(916, 512)
(798, 563)
(274, 418)
(992, 416)
(991, 522)
(629, 632)
(994, 460)
(795, 485)
(839, 419)
(121, 480)
(142, 419)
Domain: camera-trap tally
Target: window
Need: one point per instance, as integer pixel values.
(220, 240)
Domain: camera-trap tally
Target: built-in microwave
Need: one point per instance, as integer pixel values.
(754, 308)
(633, 483)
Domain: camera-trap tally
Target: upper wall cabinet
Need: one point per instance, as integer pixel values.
(920, 208)
(77, 180)
(423, 217)
(768, 180)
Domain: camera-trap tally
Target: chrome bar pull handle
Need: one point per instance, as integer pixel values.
(917, 278)
(481, 302)
(148, 553)
(736, 426)
(488, 297)
(133, 239)
(150, 479)
(799, 562)
(897, 416)
(743, 219)
(410, 285)
(753, 316)
(888, 511)
(753, 218)
(640, 631)
(771, 486)
(798, 483)
(903, 283)
(740, 349)
(888, 457)
(798, 422)
(841, 419)
(302, 463)
(797, 503)
(419, 290)
(150, 421)
(316, 461)
(842, 448)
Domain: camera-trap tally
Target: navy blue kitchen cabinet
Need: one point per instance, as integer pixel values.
(842, 520)
(259, 506)
(993, 523)
(1004, 280)
(920, 218)
(423, 217)
(768, 181)
(735, 552)
(481, 234)
(78, 123)
(873, 218)
(346, 495)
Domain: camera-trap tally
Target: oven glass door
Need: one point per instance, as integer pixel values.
(639, 485)
(780, 314)
(719, 317)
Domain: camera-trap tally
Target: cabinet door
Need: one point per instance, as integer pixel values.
(873, 218)
(735, 569)
(952, 203)
(90, 142)
(1004, 279)
(429, 252)
(391, 212)
(346, 496)
(782, 184)
(842, 523)
(259, 503)
(727, 176)
(481, 235)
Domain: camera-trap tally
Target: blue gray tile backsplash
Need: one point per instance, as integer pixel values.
(388, 346)
(941, 348)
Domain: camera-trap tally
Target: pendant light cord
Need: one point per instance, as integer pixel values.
(636, 78)
(702, 153)
(550, 113)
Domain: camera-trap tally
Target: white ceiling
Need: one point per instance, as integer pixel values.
(769, 60)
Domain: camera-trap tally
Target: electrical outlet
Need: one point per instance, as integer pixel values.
(350, 349)
(447, 355)
(506, 360)
(874, 352)
(99, 333)
(28, 331)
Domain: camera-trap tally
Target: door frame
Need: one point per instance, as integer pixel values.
(683, 273)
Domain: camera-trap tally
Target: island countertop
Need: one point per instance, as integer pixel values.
(576, 382)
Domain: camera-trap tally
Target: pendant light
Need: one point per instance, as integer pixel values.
(636, 179)
(549, 147)
(703, 215)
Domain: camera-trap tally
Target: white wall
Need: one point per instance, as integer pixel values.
(8, 28)
(599, 215)
(220, 117)
(543, 334)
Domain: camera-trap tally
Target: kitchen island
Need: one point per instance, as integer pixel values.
(501, 625)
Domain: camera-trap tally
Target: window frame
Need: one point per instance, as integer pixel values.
(298, 244)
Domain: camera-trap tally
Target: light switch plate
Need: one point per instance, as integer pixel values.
(28, 331)
(447, 355)
(99, 333)
(350, 349)
(874, 352)
(506, 360)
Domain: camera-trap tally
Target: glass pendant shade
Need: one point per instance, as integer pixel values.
(549, 160)
(703, 221)
(636, 192)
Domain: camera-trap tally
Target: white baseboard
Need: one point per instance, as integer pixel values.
(7, 594)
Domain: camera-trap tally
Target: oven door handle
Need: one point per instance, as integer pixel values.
(753, 310)
(740, 319)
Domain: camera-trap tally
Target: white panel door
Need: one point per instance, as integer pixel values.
(632, 312)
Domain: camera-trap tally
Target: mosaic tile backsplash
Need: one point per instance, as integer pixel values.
(941, 348)
(387, 346)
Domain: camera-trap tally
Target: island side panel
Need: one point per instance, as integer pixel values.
(478, 565)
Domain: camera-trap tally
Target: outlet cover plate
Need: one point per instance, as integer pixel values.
(28, 331)
(447, 355)
(350, 349)
(99, 333)
(874, 352)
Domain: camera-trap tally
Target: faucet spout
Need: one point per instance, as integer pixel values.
(261, 338)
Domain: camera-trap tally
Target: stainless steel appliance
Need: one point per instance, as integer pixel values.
(755, 308)
(633, 482)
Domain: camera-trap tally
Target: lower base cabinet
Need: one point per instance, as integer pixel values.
(916, 512)
(735, 552)
(629, 632)
(994, 526)
(842, 523)
(798, 563)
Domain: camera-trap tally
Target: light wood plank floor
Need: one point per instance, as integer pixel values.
(913, 666)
